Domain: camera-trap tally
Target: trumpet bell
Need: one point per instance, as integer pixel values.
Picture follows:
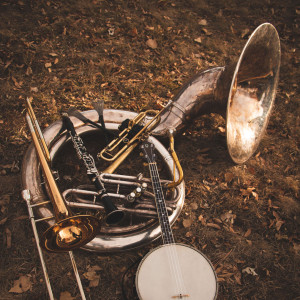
(70, 233)
(252, 92)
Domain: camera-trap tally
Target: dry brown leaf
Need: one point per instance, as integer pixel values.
(228, 177)
(21, 285)
(17, 84)
(247, 233)
(245, 32)
(187, 223)
(279, 224)
(202, 22)
(228, 217)
(194, 206)
(237, 277)
(53, 54)
(92, 276)
(198, 40)
(213, 225)
(151, 43)
(28, 71)
(189, 234)
(95, 282)
(48, 65)
(34, 89)
(250, 271)
(3, 221)
(66, 296)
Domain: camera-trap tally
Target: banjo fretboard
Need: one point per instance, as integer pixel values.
(162, 212)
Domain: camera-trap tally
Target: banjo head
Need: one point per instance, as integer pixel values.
(158, 276)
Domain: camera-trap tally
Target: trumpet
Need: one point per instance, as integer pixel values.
(70, 231)
(134, 133)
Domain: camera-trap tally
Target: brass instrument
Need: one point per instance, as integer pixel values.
(244, 92)
(130, 137)
(70, 231)
(130, 141)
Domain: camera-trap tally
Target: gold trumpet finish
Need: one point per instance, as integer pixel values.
(130, 144)
(70, 231)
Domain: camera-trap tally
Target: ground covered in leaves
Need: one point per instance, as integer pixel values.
(134, 54)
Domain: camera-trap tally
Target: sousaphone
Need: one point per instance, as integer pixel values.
(243, 92)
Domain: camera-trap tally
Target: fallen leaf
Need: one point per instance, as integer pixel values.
(245, 32)
(202, 22)
(279, 224)
(3, 221)
(228, 217)
(48, 65)
(151, 43)
(198, 40)
(237, 277)
(28, 71)
(34, 89)
(187, 223)
(66, 296)
(53, 54)
(250, 271)
(194, 206)
(228, 177)
(247, 233)
(213, 225)
(92, 276)
(207, 32)
(189, 234)
(17, 84)
(21, 285)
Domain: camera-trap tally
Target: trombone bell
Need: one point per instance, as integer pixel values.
(70, 233)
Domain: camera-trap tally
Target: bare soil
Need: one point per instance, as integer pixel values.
(244, 218)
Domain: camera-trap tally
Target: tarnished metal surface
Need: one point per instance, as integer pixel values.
(115, 238)
(252, 92)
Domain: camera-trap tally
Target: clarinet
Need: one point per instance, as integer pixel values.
(114, 215)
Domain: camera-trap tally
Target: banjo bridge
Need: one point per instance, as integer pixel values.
(180, 296)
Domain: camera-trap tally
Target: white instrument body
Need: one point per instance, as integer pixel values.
(157, 280)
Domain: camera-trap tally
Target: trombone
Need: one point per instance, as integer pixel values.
(70, 231)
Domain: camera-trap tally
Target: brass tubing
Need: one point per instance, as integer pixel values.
(38, 131)
(141, 135)
(176, 162)
(58, 203)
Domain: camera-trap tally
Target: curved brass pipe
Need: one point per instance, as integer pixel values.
(176, 162)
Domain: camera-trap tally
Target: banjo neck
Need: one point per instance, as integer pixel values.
(167, 234)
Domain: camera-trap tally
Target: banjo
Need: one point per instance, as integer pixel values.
(172, 271)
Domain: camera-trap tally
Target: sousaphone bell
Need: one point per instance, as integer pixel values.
(243, 92)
